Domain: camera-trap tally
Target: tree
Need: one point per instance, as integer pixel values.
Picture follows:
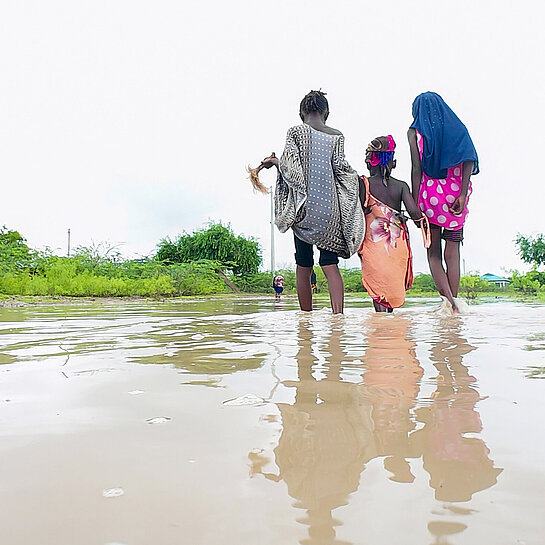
(215, 242)
(15, 255)
(531, 249)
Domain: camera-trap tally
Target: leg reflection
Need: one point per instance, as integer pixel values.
(458, 466)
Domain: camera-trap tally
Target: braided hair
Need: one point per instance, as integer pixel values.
(315, 101)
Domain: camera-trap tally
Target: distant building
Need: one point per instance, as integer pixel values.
(500, 281)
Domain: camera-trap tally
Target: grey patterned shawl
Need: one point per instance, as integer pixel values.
(317, 192)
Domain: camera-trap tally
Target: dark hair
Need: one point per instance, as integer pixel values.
(315, 101)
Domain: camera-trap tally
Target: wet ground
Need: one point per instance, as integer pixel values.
(236, 421)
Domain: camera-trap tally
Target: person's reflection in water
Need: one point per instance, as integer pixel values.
(334, 427)
(392, 381)
(320, 452)
(458, 466)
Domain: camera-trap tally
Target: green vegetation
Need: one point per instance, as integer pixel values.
(472, 285)
(531, 249)
(101, 271)
(212, 260)
(214, 243)
(423, 284)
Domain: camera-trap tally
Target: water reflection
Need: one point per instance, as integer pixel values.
(321, 451)
(458, 466)
(335, 427)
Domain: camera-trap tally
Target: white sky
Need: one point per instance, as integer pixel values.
(127, 121)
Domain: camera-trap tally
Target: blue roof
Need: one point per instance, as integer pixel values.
(494, 278)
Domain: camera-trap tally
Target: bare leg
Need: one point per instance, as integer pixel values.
(452, 260)
(304, 291)
(336, 287)
(435, 261)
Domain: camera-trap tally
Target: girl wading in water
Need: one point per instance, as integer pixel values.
(386, 257)
(443, 159)
(317, 197)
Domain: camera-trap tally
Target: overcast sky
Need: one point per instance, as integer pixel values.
(129, 121)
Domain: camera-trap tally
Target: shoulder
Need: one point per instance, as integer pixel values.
(399, 184)
(335, 132)
(297, 129)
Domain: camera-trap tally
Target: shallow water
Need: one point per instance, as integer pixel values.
(244, 422)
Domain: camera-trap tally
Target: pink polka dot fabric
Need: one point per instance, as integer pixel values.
(436, 196)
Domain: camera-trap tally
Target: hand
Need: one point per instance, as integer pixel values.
(458, 206)
(270, 161)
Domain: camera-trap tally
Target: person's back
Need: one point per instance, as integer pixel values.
(385, 251)
(317, 197)
(391, 194)
(443, 160)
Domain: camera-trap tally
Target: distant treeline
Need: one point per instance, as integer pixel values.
(211, 260)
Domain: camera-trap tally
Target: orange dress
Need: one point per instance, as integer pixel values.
(385, 253)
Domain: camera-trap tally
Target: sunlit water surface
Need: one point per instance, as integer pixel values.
(248, 423)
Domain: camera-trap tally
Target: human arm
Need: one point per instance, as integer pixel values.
(419, 219)
(270, 161)
(458, 206)
(416, 167)
(363, 193)
(409, 202)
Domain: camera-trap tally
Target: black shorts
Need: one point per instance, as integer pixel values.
(449, 234)
(304, 255)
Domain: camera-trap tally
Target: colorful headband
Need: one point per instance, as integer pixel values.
(380, 155)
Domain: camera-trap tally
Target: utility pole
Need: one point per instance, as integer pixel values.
(68, 242)
(273, 264)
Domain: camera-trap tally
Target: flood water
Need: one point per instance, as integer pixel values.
(238, 422)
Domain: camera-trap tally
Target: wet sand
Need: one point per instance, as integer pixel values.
(240, 422)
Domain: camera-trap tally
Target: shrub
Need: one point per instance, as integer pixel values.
(423, 283)
(216, 242)
(471, 285)
(531, 283)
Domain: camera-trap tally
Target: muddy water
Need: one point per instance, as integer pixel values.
(238, 422)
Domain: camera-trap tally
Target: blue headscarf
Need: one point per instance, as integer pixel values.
(446, 140)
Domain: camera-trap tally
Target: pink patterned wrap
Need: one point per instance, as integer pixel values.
(436, 196)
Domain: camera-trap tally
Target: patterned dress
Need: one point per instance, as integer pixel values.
(436, 196)
(385, 253)
(317, 192)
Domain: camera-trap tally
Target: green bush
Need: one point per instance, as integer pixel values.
(15, 255)
(351, 279)
(216, 242)
(99, 271)
(198, 278)
(423, 283)
(471, 285)
(531, 283)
